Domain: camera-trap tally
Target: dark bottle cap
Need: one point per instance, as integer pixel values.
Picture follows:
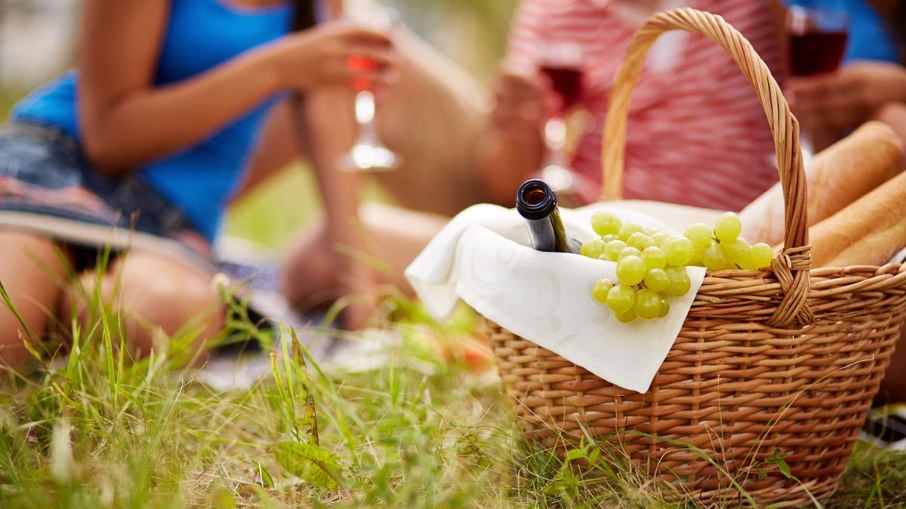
(535, 199)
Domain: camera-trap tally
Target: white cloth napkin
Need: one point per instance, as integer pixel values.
(483, 257)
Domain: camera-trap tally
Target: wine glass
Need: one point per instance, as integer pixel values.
(561, 65)
(817, 33)
(817, 39)
(368, 153)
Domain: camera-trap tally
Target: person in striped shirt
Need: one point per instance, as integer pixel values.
(696, 133)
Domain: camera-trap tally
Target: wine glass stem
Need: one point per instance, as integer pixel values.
(364, 115)
(555, 138)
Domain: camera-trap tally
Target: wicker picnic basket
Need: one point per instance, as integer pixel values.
(776, 364)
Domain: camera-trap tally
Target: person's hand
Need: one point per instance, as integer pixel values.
(515, 148)
(519, 104)
(323, 56)
(844, 100)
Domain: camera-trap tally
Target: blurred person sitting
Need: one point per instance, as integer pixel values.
(152, 135)
(433, 116)
(697, 134)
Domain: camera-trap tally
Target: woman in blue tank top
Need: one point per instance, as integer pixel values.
(141, 146)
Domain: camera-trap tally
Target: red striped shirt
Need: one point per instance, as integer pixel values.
(696, 133)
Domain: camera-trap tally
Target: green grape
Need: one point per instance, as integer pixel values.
(626, 316)
(727, 227)
(659, 238)
(665, 308)
(679, 251)
(737, 250)
(628, 229)
(629, 251)
(715, 257)
(612, 250)
(654, 257)
(697, 257)
(639, 241)
(699, 234)
(679, 282)
(593, 248)
(647, 304)
(631, 270)
(621, 298)
(761, 256)
(649, 231)
(607, 238)
(600, 290)
(604, 223)
(747, 263)
(657, 280)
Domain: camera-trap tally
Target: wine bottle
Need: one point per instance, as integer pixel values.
(537, 203)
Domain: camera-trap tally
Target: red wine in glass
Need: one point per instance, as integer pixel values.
(361, 64)
(566, 82)
(816, 52)
(817, 39)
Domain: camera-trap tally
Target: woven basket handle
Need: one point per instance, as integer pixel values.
(792, 266)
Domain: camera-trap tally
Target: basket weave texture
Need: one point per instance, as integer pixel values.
(785, 361)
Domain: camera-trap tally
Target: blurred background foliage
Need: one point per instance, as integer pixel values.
(472, 32)
(38, 41)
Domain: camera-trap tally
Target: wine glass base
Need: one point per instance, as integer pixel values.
(368, 158)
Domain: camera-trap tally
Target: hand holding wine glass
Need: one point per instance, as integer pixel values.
(848, 98)
(368, 153)
(318, 57)
(816, 33)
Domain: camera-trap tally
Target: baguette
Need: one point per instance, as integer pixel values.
(867, 232)
(835, 177)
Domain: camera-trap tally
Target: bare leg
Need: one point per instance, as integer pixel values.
(31, 270)
(311, 270)
(393, 237)
(158, 297)
(434, 116)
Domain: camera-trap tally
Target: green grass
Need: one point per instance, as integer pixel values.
(94, 429)
(8, 99)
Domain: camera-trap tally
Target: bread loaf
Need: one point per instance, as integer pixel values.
(836, 177)
(867, 232)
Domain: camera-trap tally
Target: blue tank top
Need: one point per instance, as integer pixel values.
(200, 34)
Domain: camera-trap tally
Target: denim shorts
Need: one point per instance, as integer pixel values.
(47, 186)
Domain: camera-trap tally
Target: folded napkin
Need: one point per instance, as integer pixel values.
(483, 256)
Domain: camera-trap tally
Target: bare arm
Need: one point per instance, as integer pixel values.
(127, 121)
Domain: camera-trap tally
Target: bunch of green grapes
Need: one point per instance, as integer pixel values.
(721, 248)
(651, 265)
